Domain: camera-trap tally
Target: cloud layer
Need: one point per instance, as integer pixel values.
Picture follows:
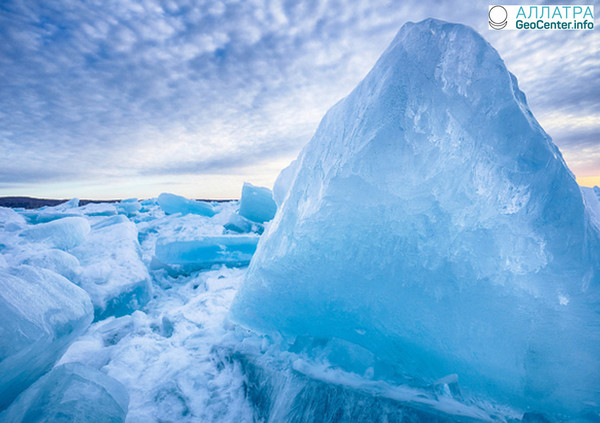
(197, 96)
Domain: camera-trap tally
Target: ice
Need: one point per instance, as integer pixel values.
(233, 250)
(41, 313)
(73, 203)
(171, 204)
(99, 209)
(109, 221)
(283, 183)
(58, 261)
(129, 207)
(10, 220)
(257, 203)
(239, 224)
(48, 214)
(591, 197)
(112, 272)
(64, 234)
(167, 356)
(71, 393)
(432, 222)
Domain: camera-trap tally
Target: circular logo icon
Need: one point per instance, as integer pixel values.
(498, 16)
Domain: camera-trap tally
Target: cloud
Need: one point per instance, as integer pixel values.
(133, 89)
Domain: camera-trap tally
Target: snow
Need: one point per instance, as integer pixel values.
(257, 203)
(432, 222)
(167, 356)
(71, 392)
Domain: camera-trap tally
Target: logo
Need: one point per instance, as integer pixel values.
(498, 17)
(569, 17)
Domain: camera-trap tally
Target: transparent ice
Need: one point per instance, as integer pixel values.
(432, 222)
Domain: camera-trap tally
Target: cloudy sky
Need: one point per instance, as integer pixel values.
(123, 98)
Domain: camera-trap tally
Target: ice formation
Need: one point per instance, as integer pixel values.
(115, 278)
(165, 355)
(234, 250)
(48, 214)
(432, 223)
(129, 207)
(62, 233)
(71, 393)
(58, 261)
(257, 203)
(171, 204)
(41, 313)
(240, 224)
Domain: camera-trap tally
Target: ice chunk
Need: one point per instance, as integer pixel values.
(73, 203)
(113, 220)
(36, 217)
(171, 204)
(112, 272)
(237, 223)
(10, 219)
(257, 203)
(58, 261)
(71, 393)
(41, 313)
(432, 221)
(49, 214)
(63, 233)
(99, 209)
(234, 250)
(129, 207)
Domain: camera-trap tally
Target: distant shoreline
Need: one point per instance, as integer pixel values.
(36, 203)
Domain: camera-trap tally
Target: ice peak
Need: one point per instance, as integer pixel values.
(431, 210)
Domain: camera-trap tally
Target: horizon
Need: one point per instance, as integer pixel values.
(139, 99)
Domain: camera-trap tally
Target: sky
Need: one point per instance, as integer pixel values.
(109, 99)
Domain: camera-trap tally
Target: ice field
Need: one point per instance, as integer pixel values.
(428, 257)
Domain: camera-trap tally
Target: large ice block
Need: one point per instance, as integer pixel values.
(63, 233)
(171, 204)
(112, 272)
(71, 393)
(432, 221)
(233, 250)
(41, 313)
(257, 203)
